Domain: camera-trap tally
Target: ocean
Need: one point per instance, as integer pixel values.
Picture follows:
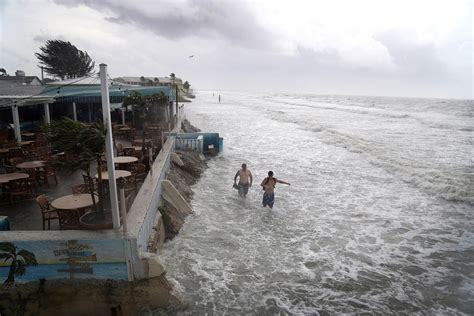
(379, 217)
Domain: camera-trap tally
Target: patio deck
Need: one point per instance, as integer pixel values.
(25, 215)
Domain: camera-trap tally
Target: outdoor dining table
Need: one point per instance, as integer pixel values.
(124, 129)
(26, 143)
(125, 159)
(28, 134)
(118, 174)
(31, 164)
(73, 202)
(140, 141)
(136, 148)
(5, 178)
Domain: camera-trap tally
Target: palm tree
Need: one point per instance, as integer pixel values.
(156, 81)
(186, 86)
(142, 80)
(85, 144)
(146, 107)
(20, 259)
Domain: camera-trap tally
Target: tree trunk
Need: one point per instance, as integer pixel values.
(101, 188)
(11, 273)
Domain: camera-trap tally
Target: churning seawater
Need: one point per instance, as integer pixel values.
(378, 219)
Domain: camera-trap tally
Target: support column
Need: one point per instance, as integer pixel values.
(16, 123)
(47, 117)
(123, 116)
(109, 149)
(74, 111)
(89, 107)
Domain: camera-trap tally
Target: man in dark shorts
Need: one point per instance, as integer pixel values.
(268, 185)
(245, 180)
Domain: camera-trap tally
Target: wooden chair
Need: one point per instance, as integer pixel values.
(16, 160)
(68, 219)
(128, 152)
(119, 149)
(33, 180)
(19, 188)
(10, 169)
(47, 211)
(80, 189)
(139, 171)
(131, 187)
(47, 171)
(16, 152)
(91, 182)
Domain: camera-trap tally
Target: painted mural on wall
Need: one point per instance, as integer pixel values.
(57, 259)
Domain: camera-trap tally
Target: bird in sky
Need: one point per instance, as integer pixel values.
(191, 56)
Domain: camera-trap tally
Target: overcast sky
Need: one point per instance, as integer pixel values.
(400, 48)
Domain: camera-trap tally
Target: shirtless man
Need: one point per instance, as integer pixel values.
(245, 180)
(268, 185)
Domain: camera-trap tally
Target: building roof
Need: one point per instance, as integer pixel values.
(82, 81)
(19, 79)
(8, 87)
(12, 92)
(137, 79)
(61, 91)
(92, 93)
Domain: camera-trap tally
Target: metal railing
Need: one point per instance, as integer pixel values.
(189, 144)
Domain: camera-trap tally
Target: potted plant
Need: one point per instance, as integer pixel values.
(84, 144)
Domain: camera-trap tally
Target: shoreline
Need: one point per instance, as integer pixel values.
(186, 169)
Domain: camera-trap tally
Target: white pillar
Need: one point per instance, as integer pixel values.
(16, 123)
(47, 117)
(109, 149)
(123, 116)
(123, 209)
(74, 111)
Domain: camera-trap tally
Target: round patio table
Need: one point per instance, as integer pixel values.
(118, 174)
(28, 134)
(125, 159)
(31, 164)
(140, 141)
(73, 202)
(125, 129)
(136, 148)
(26, 143)
(5, 178)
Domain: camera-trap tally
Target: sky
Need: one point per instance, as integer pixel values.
(367, 47)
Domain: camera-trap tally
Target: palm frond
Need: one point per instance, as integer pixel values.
(6, 256)
(7, 247)
(28, 257)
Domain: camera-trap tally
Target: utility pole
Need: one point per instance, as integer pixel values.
(176, 91)
(42, 73)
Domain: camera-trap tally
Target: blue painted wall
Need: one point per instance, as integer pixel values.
(72, 259)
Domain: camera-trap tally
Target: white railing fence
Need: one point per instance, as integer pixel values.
(189, 144)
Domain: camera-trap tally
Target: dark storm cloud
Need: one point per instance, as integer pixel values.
(230, 20)
(410, 56)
